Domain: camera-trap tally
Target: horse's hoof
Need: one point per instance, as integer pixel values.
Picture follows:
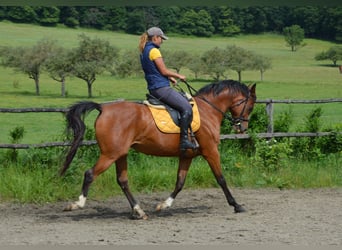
(138, 213)
(136, 216)
(160, 206)
(165, 204)
(239, 209)
(71, 207)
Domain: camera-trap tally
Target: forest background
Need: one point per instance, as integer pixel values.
(318, 21)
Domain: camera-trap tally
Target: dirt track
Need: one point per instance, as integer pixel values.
(287, 217)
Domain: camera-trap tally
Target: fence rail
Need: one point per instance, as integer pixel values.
(222, 137)
(269, 110)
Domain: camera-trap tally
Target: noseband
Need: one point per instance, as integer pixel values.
(236, 121)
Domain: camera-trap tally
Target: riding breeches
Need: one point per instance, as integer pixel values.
(172, 98)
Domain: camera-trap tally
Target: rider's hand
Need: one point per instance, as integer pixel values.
(182, 78)
(173, 81)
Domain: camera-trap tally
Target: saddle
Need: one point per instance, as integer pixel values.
(166, 118)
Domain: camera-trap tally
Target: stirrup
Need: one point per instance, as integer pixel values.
(185, 145)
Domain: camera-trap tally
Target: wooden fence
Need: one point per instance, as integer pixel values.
(269, 110)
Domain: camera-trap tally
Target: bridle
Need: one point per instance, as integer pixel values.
(234, 121)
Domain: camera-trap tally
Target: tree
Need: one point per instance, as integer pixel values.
(222, 20)
(28, 60)
(334, 54)
(94, 17)
(117, 17)
(255, 20)
(167, 17)
(135, 22)
(176, 59)
(331, 25)
(92, 57)
(196, 65)
(308, 17)
(69, 16)
(22, 14)
(294, 36)
(48, 16)
(276, 17)
(196, 23)
(59, 66)
(239, 59)
(128, 64)
(216, 62)
(261, 63)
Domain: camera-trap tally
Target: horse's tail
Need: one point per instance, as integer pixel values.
(75, 122)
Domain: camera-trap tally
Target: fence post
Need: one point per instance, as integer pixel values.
(269, 111)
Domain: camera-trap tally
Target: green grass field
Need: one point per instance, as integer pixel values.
(294, 75)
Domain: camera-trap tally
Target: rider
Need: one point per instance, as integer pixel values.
(158, 78)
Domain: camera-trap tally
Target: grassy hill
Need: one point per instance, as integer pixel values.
(294, 75)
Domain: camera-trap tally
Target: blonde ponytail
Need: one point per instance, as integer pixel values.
(143, 40)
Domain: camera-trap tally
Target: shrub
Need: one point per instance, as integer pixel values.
(283, 122)
(16, 135)
(312, 120)
(330, 144)
(271, 155)
(258, 121)
(72, 22)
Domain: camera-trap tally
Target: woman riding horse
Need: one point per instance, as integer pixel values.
(123, 125)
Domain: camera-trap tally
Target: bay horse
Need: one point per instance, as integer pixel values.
(122, 125)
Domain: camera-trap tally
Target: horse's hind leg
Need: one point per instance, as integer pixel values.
(89, 176)
(122, 180)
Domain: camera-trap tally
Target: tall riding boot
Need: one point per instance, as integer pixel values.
(185, 121)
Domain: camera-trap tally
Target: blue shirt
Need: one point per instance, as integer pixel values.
(153, 77)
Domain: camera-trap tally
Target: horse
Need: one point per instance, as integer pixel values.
(121, 125)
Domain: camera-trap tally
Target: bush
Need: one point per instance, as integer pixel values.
(316, 147)
(17, 135)
(312, 120)
(72, 22)
(271, 155)
(258, 121)
(330, 144)
(283, 122)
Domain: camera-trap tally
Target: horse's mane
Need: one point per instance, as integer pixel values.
(217, 87)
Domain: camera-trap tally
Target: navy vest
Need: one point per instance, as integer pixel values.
(153, 77)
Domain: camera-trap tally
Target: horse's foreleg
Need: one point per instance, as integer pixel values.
(214, 163)
(231, 201)
(89, 176)
(122, 180)
(183, 168)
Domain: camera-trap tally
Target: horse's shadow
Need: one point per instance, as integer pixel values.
(106, 213)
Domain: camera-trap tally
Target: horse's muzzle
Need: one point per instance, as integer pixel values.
(240, 127)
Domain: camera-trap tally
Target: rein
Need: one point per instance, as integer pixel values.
(234, 121)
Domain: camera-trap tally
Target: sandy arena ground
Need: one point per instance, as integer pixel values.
(311, 217)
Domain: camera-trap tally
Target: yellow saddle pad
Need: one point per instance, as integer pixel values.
(164, 122)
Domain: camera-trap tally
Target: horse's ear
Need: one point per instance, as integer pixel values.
(252, 89)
